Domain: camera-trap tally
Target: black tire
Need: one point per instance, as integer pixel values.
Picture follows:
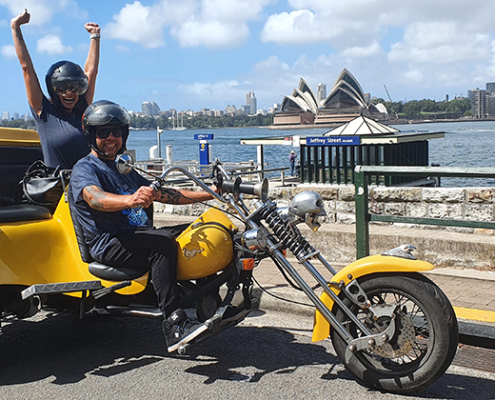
(426, 334)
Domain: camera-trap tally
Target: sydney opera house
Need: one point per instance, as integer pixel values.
(345, 102)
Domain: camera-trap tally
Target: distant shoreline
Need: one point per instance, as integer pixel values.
(389, 122)
(330, 126)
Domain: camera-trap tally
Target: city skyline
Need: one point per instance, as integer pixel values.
(196, 54)
(476, 95)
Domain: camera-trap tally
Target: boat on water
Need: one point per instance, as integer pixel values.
(176, 124)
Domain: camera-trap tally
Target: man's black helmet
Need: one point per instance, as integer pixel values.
(105, 113)
(63, 76)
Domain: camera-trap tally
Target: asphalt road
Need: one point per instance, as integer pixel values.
(269, 356)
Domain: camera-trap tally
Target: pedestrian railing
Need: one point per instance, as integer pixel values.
(335, 164)
(362, 179)
(248, 170)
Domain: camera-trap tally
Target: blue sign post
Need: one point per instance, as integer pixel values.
(204, 148)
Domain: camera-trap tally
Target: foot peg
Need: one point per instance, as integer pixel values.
(213, 323)
(212, 326)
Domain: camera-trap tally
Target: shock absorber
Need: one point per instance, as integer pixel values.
(288, 235)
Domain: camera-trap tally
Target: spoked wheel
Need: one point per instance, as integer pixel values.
(425, 339)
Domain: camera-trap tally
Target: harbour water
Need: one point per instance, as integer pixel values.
(466, 144)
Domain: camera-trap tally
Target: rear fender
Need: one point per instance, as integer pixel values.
(362, 267)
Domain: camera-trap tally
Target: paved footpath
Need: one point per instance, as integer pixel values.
(471, 292)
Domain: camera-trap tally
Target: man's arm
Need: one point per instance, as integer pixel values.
(100, 200)
(33, 88)
(93, 60)
(173, 196)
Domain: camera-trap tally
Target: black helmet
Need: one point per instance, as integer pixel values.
(63, 76)
(105, 113)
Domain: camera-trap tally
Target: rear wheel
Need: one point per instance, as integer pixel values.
(425, 339)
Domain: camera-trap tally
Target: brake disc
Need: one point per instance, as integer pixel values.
(402, 341)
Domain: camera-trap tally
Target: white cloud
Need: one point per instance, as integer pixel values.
(431, 27)
(271, 62)
(219, 91)
(42, 11)
(361, 52)
(138, 24)
(413, 76)
(230, 11)
(122, 49)
(298, 27)
(8, 51)
(211, 34)
(52, 44)
(440, 42)
(193, 23)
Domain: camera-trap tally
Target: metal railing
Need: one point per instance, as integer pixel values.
(335, 164)
(362, 178)
(247, 170)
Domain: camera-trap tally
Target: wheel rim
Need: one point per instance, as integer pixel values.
(413, 339)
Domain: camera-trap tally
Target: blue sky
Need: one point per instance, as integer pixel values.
(194, 54)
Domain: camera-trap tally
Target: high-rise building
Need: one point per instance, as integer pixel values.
(6, 115)
(150, 108)
(490, 105)
(478, 103)
(321, 92)
(251, 103)
(490, 87)
(230, 110)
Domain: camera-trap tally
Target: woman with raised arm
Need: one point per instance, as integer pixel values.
(71, 90)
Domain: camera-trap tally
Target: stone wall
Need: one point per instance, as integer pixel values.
(454, 247)
(476, 204)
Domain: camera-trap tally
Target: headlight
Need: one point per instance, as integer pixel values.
(254, 239)
(307, 206)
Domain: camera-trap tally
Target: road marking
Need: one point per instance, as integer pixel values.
(475, 315)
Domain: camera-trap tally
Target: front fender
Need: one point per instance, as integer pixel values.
(364, 266)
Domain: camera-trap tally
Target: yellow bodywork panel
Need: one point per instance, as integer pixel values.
(46, 251)
(205, 247)
(364, 266)
(19, 137)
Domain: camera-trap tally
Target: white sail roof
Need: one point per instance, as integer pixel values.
(362, 126)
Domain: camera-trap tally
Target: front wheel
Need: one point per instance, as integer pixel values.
(425, 339)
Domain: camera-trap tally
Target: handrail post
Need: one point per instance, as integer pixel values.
(362, 218)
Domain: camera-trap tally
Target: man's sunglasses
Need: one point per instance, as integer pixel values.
(116, 131)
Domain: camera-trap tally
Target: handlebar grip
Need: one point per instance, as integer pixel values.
(156, 185)
(236, 187)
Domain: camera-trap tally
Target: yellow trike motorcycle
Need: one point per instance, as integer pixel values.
(392, 327)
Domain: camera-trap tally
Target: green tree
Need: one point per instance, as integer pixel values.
(458, 105)
(19, 123)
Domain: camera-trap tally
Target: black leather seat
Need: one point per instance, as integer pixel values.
(23, 212)
(97, 269)
(14, 162)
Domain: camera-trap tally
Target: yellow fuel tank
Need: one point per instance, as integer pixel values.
(206, 246)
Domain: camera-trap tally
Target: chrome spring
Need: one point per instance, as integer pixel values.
(289, 236)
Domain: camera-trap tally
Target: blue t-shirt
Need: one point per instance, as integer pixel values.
(100, 227)
(61, 134)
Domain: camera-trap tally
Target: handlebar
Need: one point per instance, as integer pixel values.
(221, 177)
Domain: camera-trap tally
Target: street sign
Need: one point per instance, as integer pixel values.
(333, 141)
(203, 136)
